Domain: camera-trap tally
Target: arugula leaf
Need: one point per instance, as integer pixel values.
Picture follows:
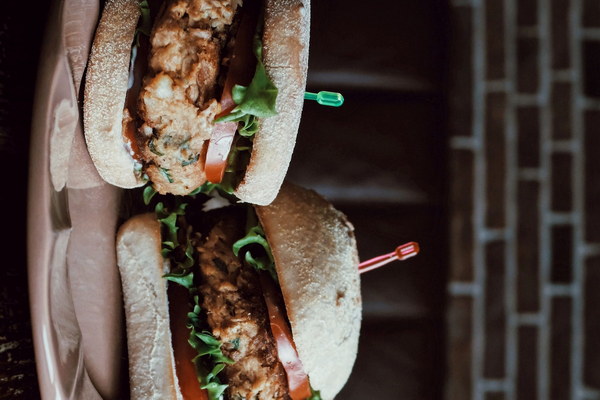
(167, 248)
(314, 395)
(171, 223)
(254, 248)
(186, 280)
(209, 352)
(180, 251)
(257, 99)
(249, 125)
(149, 193)
(215, 390)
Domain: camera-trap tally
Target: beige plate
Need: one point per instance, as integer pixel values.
(74, 286)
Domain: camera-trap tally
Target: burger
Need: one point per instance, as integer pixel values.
(196, 91)
(240, 302)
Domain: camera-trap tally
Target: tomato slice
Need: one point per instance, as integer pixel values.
(241, 69)
(298, 384)
(183, 352)
(219, 147)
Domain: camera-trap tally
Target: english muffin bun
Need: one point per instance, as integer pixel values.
(104, 96)
(141, 265)
(285, 55)
(285, 39)
(317, 265)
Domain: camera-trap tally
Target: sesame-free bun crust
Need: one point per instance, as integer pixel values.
(317, 265)
(141, 265)
(285, 55)
(105, 90)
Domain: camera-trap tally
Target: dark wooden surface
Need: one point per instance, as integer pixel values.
(390, 136)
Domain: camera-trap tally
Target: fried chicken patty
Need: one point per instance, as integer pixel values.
(177, 102)
(236, 312)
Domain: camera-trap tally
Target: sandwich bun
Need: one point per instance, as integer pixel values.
(316, 260)
(141, 265)
(106, 83)
(285, 55)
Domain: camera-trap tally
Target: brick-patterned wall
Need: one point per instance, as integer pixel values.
(524, 291)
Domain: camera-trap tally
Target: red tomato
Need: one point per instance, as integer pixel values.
(286, 350)
(183, 352)
(218, 150)
(241, 69)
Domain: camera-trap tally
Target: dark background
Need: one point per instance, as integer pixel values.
(20, 42)
(380, 158)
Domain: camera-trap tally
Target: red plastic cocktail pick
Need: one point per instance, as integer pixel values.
(403, 252)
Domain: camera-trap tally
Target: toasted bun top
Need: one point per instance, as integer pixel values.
(317, 264)
(285, 55)
(105, 90)
(141, 265)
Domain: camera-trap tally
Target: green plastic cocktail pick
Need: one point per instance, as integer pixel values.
(326, 98)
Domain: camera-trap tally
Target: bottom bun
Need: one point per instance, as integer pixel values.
(151, 362)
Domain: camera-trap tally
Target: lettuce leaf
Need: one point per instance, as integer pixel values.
(254, 248)
(180, 251)
(257, 100)
(210, 359)
(149, 193)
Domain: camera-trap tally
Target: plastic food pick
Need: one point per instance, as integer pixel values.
(325, 98)
(401, 253)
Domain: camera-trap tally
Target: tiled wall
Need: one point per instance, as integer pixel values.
(524, 291)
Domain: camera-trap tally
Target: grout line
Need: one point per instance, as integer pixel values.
(587, 103)
(466, 289)
(588, 33)
(561, 218)
(566, 146)
(487, 235)
(588, 394)
(498, 86)
(587, 250)
(577, 176)
(465, 143)
(531, 319)
(532, 174)
(564, 75)
(561, 290)
(545, 52)
(479, 99)
(494, 385)
(528, 100)
(511, 258)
